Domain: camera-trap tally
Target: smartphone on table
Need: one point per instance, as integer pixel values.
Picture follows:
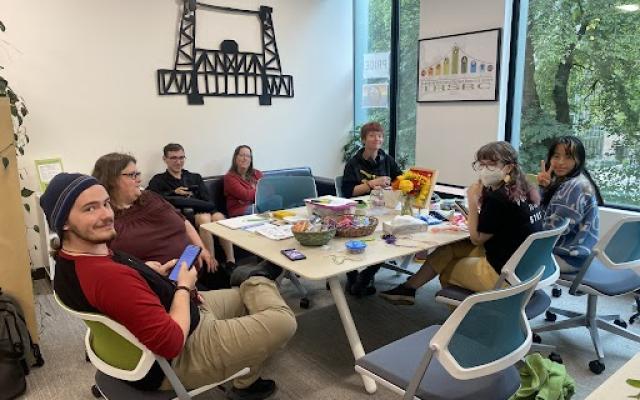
(189, 255)
(293, 254)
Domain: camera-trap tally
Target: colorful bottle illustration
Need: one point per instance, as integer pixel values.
(437, 69)
(430, 73)
(463, 65)
(482, 67)
(473, 66)
(445, 66)
(455, 60)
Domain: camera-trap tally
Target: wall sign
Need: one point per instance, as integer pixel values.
(376, 66)
(228, 71)
(459, 67)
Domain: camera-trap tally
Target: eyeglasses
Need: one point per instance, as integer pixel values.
(479, 166)
(245, 155)
(132, 175)
(177, 158)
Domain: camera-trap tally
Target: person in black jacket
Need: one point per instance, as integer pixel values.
(370, 167)
(187, 189)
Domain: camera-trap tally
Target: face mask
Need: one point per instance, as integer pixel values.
(491, 178)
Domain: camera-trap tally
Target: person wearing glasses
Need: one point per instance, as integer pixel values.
(147, 226)
(183, 188)
(503, 211)
(240, 182)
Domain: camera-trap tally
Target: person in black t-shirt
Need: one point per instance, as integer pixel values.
(503, 211)
(368, 168)
(187, 189)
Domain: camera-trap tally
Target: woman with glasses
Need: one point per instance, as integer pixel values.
(147, 226)
(569, 192)
(240, 182)
(503, 211)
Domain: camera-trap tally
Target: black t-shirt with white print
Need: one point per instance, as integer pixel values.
(509, 221)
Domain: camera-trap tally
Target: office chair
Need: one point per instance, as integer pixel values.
(471, 356)
(338, 183)
(282, 192)
(118, 356)
(609, 271)
(535, 252)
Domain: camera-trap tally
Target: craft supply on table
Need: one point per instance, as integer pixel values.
(404, 224)
(355, 246)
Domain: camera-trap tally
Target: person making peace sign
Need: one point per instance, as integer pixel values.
(568, 191)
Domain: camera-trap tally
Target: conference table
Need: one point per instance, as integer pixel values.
(331, 261)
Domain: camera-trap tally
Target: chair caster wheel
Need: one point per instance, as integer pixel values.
(596, 366)
(326, 286)
(555, 357)
(96, 392)
(536, 338)
(549, 316)
(556, 292)
(305, 303)
(620, 323)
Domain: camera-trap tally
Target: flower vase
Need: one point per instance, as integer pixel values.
(406, 206)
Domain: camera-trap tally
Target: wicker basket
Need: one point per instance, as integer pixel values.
(359, 231)
(314, 238)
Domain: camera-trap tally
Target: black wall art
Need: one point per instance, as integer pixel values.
(228, 71)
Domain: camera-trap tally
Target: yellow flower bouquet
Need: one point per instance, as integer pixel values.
(416, 184)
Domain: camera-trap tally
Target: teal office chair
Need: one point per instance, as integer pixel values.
(535, 252)
(609, 271)
(282, 192)
(471, 356)
(338, 183)
(119, 356)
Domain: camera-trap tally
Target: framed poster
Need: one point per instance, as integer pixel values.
(462, 67)
(47, 169)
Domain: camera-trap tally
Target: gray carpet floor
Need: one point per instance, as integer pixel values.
(317, 363)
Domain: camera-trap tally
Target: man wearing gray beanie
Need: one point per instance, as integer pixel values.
(230, 329)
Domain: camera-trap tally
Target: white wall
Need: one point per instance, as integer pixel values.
(448, 134)
(87, 70)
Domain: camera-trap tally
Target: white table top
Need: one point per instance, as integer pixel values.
(615, 387)
(330, 260)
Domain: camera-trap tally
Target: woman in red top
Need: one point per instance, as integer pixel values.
(240, 182)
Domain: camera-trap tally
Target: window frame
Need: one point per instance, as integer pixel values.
(519, 21)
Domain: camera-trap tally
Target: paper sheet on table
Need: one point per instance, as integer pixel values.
(273, 232)
(245, 221)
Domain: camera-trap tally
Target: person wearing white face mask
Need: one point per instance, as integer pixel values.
(503, 211)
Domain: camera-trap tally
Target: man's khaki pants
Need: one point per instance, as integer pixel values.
(239, 327)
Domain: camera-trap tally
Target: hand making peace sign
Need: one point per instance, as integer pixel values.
(544, 176)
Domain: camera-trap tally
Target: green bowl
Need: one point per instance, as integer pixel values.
(314, 238)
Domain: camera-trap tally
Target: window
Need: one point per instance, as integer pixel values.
(577, 73)
(374, 75)
(372, 48)
(407, 76)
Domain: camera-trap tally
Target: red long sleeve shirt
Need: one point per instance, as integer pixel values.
(239, 192)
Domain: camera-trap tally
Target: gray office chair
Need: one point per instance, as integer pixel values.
(470, 357)
(282, 192)
(609, 271)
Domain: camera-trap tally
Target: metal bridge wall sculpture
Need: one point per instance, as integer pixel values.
(226, 72)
